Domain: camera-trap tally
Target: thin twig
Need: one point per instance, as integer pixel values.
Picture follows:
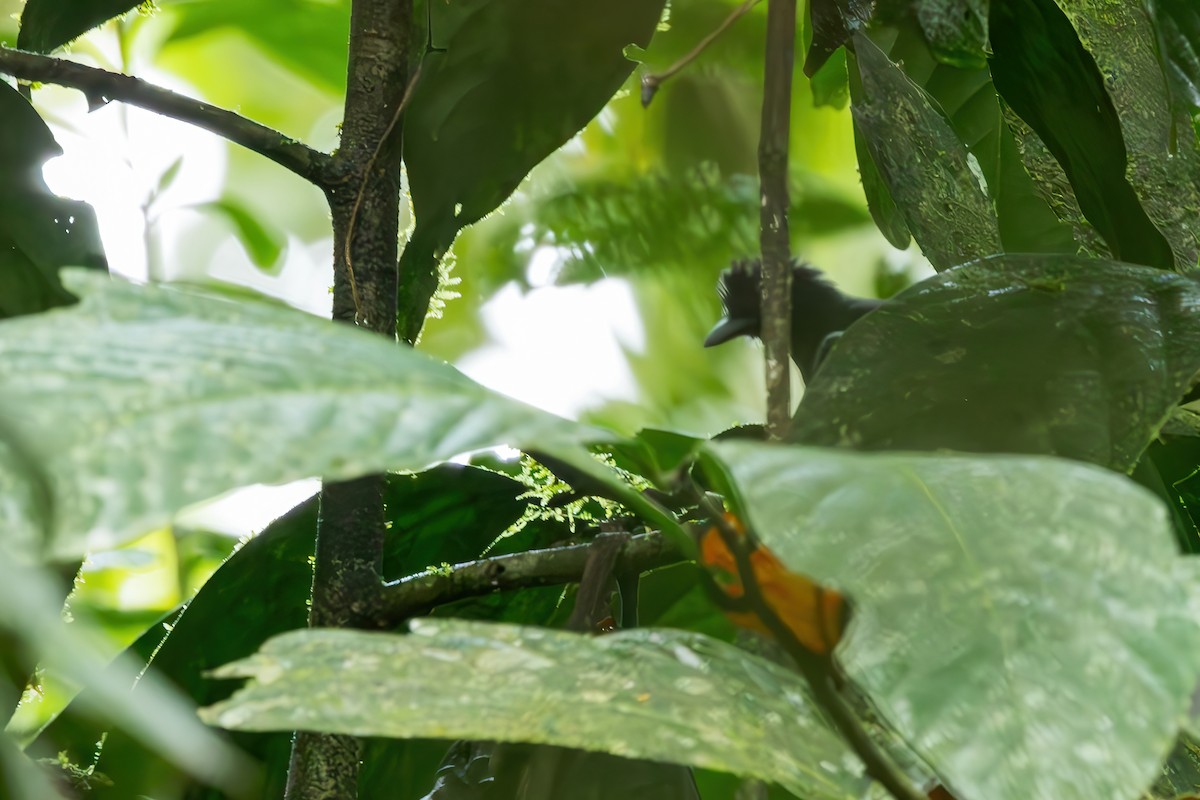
(773, 225)
(651, 82)
(358, 198)
(101, 86)
(417, 594)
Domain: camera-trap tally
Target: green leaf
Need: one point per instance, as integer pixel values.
(143, 399)
(40, 232)
(926, 167)
(1045, 74)
(22, 778)
(263, 245)
(485, 111)
(947, 364)
(888, 217)
(968, 99)
(49, 24)
(832, 23)
(312, 43)
(1164, 159)
(1177, 26)
(30, 607)
(956, 30)
(829, 86)
(653, 694)
(448, 514)
(1018, 620)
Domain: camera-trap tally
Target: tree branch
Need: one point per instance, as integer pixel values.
(773, 233)
(101, 86)
(415, 595)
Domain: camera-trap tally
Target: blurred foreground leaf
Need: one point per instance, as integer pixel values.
(1019, 620)
(653, 694)
(142, 400)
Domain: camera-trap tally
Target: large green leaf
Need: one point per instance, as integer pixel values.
(1048, 77)
(653, 694)
(1019, 620)
(968, 99)
(1057, 355)
(923, 162)
(40, 232)
(1164, 161)
(49, 24)
(142, 400)
(447, 514)
(507, 86)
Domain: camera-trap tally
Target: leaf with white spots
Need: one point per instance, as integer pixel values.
(651, 694)
(142, 400)
(1026, 623)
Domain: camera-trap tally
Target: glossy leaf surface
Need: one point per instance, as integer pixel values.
(142, 400)
(655, 694)
(946, 363)
(1019, 620)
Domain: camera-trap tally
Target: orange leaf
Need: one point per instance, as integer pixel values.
(814, 614)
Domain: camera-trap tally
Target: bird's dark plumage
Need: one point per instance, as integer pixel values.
(819, 310)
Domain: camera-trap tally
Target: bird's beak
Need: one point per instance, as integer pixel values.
(729, 328)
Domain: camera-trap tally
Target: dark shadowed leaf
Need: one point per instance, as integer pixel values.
(508, 85)
(1019, 620)
(1053, 83)
(833, 22)
(40, 232)
(968, 99)
(142, 400)
(888, 217)
(956, 30)
(654, 694)
(926, 167)
(946, 364)
(1164, 159)
(1177, 25)
(49, 24)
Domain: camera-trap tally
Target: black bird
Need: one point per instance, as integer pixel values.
(820, 312)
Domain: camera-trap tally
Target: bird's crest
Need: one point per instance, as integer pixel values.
(740, 285)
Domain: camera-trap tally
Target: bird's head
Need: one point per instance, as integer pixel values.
(740, 288)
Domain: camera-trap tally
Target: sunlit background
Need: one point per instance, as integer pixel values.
(587, 294)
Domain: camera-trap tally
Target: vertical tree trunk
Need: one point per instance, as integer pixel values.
(773, 226)
(365, 203)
